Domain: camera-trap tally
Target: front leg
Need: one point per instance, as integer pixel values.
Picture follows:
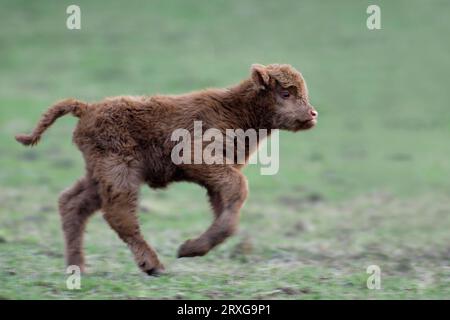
(227, 188)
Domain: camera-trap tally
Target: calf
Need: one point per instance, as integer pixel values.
(126, 141)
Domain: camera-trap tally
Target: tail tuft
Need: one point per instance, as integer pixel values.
(27, 140)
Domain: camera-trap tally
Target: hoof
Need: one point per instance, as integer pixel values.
(155, 272)
(193, 248)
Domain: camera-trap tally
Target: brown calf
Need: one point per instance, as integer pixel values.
(126, 141)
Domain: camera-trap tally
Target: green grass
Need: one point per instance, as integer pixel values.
(370, 185)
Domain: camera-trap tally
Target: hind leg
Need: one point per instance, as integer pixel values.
(119, 190)
(76, 205)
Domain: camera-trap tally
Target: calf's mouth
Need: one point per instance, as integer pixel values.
(305, 124)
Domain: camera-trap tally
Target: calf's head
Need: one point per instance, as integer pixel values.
(285, 97)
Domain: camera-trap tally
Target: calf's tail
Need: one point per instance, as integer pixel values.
(56, 111)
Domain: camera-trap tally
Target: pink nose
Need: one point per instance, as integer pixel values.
(314, 113)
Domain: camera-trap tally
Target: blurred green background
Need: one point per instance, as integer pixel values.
(369, 185)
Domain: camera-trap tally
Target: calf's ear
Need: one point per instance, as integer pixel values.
(260, 76)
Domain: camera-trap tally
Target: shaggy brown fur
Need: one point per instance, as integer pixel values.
(126, 142)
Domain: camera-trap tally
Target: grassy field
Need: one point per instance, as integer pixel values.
(369, 186)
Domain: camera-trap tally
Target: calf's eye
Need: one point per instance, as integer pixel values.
(285, 94)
